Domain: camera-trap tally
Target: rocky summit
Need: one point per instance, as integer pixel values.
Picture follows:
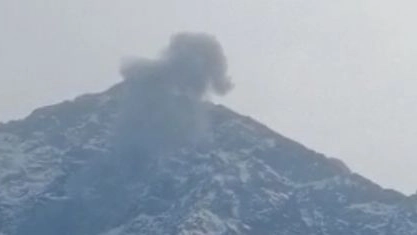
(78, 168)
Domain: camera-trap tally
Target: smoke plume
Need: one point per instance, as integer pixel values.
(164, 98)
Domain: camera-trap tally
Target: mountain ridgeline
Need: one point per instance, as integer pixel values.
(67, 169)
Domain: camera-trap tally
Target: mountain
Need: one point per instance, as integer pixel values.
(65, 170)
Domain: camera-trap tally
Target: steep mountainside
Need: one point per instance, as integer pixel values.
(62, 171)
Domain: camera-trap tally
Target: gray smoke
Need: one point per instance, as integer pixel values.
(192, 65)
(164, 99)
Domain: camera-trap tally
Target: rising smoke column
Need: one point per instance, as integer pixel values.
(164, 102)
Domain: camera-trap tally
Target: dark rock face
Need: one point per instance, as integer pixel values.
(62, 173)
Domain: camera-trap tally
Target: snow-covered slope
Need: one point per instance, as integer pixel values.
(61, 173)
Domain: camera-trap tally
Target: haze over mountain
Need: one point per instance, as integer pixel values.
(152, 155)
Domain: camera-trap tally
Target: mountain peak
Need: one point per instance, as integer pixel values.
(68, 169)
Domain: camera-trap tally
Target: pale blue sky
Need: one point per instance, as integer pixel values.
(338, 76)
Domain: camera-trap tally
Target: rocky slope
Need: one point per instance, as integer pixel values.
(62, 173)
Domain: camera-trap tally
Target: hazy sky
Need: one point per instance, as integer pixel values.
(338, 76)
